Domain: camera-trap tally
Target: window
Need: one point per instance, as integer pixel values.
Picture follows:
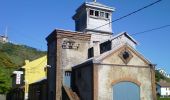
(97, 13)
(67, 78)
(91, 12)
(106, 46)
(102, 14)
(90, 52)
(106, 15)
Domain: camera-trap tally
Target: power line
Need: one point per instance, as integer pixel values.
(130, 13)
(153, 29)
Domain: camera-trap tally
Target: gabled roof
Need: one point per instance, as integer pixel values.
(126, 34)
(163, 84)
(104, 55)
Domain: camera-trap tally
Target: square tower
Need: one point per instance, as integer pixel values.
(94, 18)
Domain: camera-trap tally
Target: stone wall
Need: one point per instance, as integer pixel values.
(110, 75)
(74, 56)
(65, 49)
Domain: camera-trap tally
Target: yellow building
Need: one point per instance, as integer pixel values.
(34, 71)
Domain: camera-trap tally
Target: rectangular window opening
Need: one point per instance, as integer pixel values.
(106, 46)
(106, 15)
(91, 12)
(102, 14)
(97, 13)
(90, 52)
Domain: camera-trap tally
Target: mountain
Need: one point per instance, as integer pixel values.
(12, 57)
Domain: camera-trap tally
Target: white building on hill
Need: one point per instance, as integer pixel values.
(163, 89)
(3, 39)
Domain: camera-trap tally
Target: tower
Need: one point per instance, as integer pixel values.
(89, 18)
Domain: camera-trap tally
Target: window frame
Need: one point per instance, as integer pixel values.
(92, 12)
(99, 14)
(102, 16)
(107, 15)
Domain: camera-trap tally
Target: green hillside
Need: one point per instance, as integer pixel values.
(159, 76)
(11, 58)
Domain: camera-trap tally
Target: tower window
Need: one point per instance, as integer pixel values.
(96, 13)
(102, 14)
(107, 15)
(91, 12)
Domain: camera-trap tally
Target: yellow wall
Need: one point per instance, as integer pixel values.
(34, 71)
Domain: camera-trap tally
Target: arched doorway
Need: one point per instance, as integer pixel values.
(126, 91)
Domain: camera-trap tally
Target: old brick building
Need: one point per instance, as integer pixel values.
(92, 64)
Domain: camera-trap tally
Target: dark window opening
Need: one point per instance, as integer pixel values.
(91, 12)
(106, 46)
(96, 13)
(67, 73)
(107, 15)
(90, 52)
(126, 55)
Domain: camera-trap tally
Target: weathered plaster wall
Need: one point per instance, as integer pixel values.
(72, 57)
(108, 75)
(122, 39)
(99, 36)
(96, 22)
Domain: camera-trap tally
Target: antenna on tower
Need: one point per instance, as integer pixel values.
(6, 32)
(94, 0)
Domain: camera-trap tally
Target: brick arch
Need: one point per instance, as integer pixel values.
(126, 79)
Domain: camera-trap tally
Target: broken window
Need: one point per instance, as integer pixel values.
(96, 13)
(106, 46)
(91, 12)
(106, 15)
(102, 14)
(90, 52)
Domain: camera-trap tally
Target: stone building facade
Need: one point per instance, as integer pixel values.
(65, 49)
(100, 66)
(95, 79)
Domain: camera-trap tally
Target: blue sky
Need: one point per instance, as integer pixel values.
(30, 21)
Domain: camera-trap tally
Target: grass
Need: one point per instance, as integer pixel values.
(163, 98)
